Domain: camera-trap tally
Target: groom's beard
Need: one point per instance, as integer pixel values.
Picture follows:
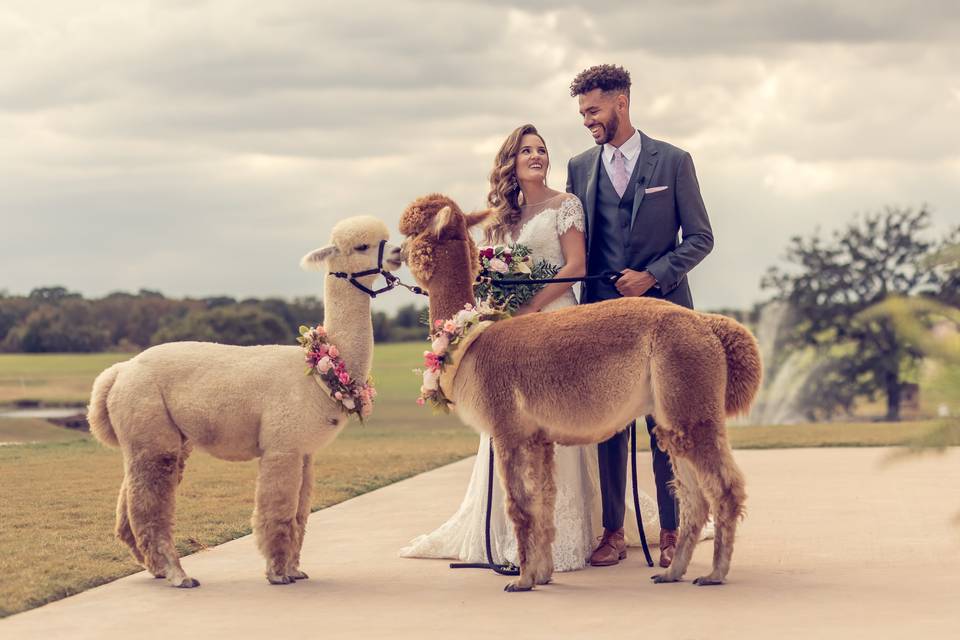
(609, 129)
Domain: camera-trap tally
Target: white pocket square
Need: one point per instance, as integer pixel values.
(655, 189)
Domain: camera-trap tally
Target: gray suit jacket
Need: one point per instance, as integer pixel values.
(653, 243)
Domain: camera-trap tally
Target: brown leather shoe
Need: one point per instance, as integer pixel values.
(612, 549)
(668, 546)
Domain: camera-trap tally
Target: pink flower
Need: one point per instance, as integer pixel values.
(499, 266)
(487, 253)
(449, 326)
(437, 323)
(322, 350)
(334, 352)
(338, 395)
(324, 364)
(432, 361)
(320, 330)
(344, 377)
(421, 401)
(366, 410)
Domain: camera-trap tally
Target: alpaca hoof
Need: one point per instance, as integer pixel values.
(707, 581)
(514, 587)
(296, 574)
(280, 580)
(187, 583)
(663, 578)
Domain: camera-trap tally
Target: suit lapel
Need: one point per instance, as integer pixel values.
(646, 164)
(593, 172)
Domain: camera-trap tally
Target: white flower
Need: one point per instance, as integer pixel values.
(464, 316)
(349, 403)
(440, 344)
(324, 364)
(431, 380)
(498, 265)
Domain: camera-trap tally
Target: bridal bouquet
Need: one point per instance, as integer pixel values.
(510, 262)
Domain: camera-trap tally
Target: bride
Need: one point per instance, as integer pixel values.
(551, 224)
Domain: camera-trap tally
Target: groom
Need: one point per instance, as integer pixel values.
(639, 194)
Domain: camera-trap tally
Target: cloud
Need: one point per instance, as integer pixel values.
(146, 142)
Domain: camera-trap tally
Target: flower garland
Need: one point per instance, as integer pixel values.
(446, 339)
(323, 359)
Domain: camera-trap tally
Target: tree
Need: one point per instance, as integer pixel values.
(237, 324)
(67, 327)
(875, 257)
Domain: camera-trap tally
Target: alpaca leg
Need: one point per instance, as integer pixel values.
(151, 487)
(303, 512)
(518, 473)
(694, 511)
(545, 532)
(723, 483)
(185, 448)
(275, 514)
(123, 530)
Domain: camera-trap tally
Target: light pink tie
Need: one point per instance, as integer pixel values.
(620, 177)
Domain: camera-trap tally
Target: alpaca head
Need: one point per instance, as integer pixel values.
(354, 247)
(437, 240)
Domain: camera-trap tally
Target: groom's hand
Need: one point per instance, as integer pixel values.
(635, 283)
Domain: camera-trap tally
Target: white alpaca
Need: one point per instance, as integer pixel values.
(237, 403)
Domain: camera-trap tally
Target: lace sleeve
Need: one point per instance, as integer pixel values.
(569, 215)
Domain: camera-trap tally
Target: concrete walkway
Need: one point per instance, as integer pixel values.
(835, 545)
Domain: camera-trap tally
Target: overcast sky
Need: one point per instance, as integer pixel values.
(202, 148)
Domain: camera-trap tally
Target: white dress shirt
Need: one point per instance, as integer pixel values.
(630, 150)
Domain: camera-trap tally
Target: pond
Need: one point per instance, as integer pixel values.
(43, 413)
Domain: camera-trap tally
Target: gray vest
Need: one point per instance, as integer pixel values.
(610, 236)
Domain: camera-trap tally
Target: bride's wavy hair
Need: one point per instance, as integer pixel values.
(505, 197)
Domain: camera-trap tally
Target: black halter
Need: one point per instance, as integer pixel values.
(391, 279)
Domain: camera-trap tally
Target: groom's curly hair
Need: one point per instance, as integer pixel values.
(606, 77)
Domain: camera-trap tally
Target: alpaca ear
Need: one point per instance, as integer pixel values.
(478, 217)
(442, 220)
(316, 259)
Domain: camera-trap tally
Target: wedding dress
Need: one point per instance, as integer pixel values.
(577, 512)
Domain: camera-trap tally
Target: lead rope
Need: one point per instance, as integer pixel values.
(502, 569)
(636, 493)
(511, 570)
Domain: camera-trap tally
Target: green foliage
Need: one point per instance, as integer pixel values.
(831, 282)
(53, 319)
(68, 326)
(232, 324)
(519, 263)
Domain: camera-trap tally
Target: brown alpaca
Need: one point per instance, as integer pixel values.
(576, 376)
(236, 403)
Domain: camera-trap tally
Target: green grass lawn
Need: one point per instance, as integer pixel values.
(57, 509)
(57, 496)
(51, 378)
(34, 430)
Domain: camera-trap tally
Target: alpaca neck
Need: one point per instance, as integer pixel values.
(449, 296)
(349, 325)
